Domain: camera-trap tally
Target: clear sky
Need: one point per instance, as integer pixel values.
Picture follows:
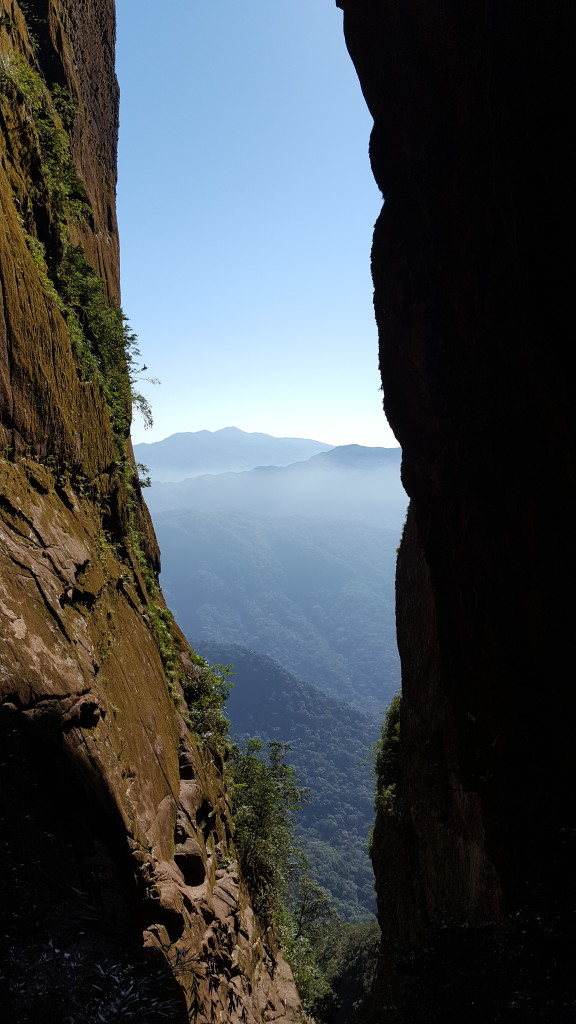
(246, 207)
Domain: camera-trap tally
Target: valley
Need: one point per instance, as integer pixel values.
(287, 574)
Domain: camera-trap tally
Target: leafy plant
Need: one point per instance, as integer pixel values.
(309, 977)
(104, 344)
(25, 85)
(66, 105)
(44, 983)
(309, 912)
(329, 754)
(143, 475)
(205, 692)
(311, 906)
(38, 254)
(266, 795)
(388, 761)
(17, 75)
(347, 954)
(161, 620)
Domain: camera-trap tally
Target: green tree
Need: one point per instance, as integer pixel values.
(266, 795)
(206, 689)
(311, 905)
(388, 761)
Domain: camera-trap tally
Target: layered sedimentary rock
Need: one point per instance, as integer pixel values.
(473, 266)
(119, 891)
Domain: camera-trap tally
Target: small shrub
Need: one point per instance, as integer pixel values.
(266, 795)
(44, 984)
(310, 979)
(388, 761)
(144, 478)
(106, 347)
(65, 104)
(205, 693)
(24, 84)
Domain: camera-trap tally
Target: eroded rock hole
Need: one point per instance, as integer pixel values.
(188, 857)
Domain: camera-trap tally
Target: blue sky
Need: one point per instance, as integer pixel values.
(246, 206)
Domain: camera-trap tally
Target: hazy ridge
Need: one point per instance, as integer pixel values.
(188, 454)
(317, 596)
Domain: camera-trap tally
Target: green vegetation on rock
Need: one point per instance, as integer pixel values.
(332, 961)
(106, 355)
(347, 955)
(105, 347)
(266, 796)
(205, 693)
(388, 761)
(49, 116)
(103, 343)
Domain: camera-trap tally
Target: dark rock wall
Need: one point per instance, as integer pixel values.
(473, 266)
(119, 892)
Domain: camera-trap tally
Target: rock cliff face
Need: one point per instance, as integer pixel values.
(473, 266)
(119, 891)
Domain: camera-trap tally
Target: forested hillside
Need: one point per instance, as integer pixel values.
(318, 596)
(332, 752)
(349, 482)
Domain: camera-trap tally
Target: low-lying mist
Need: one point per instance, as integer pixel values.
(327, 485)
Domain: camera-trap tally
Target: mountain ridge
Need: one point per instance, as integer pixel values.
(317, 596)
(349, 482)
(189, 453)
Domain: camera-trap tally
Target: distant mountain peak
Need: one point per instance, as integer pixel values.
(358, 455)
(194, 453)
(231, 431)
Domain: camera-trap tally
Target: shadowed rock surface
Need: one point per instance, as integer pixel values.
(473, 266)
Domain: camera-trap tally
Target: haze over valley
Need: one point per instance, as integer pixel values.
(294, 562)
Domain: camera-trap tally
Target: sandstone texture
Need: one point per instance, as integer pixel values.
(119, 892)
(473, 267)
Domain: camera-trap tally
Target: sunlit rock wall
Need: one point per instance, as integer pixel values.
(119, 892)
